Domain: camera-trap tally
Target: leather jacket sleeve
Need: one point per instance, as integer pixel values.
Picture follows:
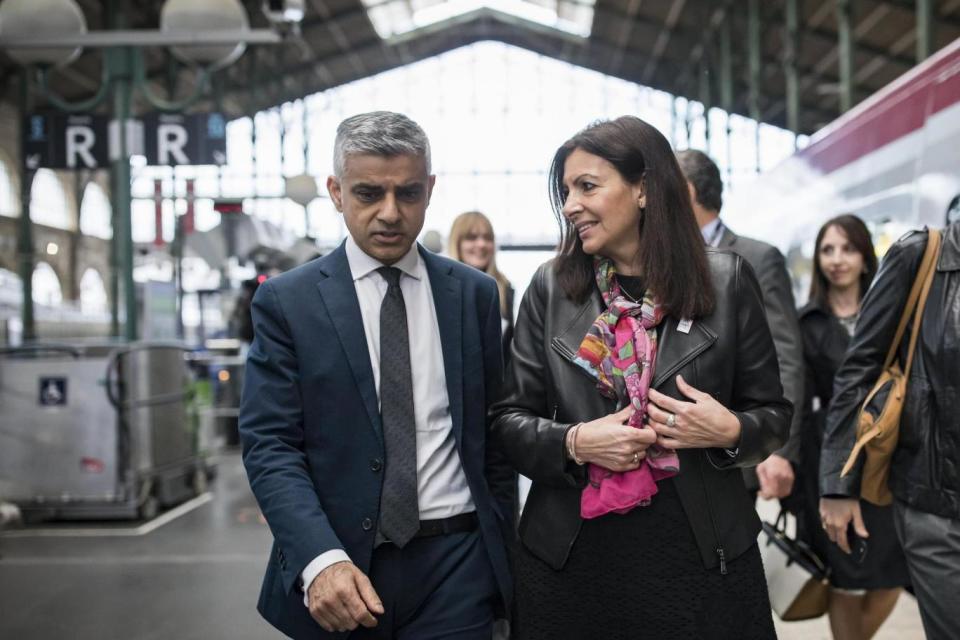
(880, 313)
(535, 445)
(757, 399)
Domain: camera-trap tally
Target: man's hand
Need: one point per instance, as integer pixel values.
(776, 477)
(341, 597)
(836, 515)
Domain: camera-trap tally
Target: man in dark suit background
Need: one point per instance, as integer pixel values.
(774, 476)
(363, 417)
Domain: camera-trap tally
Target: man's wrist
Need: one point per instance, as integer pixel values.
(317, 566)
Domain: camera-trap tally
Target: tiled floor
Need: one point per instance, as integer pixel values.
(196, 577)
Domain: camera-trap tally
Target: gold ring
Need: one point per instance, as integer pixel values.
(636, 457)
(672, 420)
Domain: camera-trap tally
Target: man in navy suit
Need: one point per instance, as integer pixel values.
(363, 417)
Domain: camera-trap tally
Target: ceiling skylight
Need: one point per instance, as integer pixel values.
(395, 17)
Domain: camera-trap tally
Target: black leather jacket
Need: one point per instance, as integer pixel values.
(925, 471)
(729, 354)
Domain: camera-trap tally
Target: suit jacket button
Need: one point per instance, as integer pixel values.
(376, 464)
(367, 524)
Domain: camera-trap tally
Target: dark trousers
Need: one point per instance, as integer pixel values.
(932, 547)
(441, 587)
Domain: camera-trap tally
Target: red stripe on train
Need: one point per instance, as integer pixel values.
(898, 109)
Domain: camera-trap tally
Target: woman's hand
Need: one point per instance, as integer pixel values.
(609, 443)
(836, 514)
(700, 424)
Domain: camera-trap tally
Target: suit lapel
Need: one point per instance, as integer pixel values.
(340, 297)
(448, 303)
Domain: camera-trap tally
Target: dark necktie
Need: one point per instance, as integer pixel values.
(399, 511)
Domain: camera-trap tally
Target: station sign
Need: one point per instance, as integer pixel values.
(172, 139)
(65, 141)
(83, 141)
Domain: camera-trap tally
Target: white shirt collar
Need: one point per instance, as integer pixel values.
(711, 232)
(362, 264)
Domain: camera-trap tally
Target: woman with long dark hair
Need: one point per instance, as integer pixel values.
(643, 376)
(866, 584)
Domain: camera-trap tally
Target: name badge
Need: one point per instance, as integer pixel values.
(684, 325)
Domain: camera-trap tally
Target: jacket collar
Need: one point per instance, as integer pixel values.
(950, 249)
(675, 348)
(340, 297)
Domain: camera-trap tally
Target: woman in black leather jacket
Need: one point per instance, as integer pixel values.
(865, 587)
(638, 532)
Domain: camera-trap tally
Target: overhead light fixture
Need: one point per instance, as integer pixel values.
(205, 15)
(42, 19)
(52, 249)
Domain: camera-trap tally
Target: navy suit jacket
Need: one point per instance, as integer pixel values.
(310, 423)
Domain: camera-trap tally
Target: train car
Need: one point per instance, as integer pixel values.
(893, 160)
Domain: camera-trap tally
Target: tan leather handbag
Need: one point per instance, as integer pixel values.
(878, 423)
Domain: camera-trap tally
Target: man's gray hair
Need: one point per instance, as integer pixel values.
(379, 133)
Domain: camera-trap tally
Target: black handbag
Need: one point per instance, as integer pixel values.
(797, 580)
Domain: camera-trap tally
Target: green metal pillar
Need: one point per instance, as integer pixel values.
(121, 60)
(845, 47)
(706, 99)
(753, 37)
(791, 75)
(726, 82)
(925, 25)
(25, 255)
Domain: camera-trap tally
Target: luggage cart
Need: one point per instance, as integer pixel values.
(99, 431)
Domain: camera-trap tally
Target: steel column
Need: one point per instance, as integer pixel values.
(925, 24)
(791, 75)
(753, 38)
(726, 82)
(845, 49)
(121, 60)
(25, 254)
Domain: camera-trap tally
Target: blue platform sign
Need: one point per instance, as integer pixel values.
(53, 392)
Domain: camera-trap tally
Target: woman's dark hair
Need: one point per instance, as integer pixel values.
(672, 257)
(859, 236)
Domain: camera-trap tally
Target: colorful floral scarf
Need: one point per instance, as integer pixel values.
(620, 351)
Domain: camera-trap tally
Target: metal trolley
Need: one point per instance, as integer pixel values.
(99, 431)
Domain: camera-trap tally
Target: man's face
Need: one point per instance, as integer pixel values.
(383, 201)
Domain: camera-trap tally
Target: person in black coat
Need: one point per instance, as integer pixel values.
(643, 377)
(865, 585)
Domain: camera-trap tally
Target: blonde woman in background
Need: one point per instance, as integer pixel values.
(472, 242)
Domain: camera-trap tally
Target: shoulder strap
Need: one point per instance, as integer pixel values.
(924, 273)
(928, 269)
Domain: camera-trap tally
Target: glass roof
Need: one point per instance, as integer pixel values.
(395, 17)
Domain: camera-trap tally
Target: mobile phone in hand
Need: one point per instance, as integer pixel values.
(858, 545)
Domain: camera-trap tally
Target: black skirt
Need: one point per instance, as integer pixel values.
(639, 575)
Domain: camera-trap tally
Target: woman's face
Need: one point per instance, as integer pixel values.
(840, 261)
(476, 247)
(603, 207)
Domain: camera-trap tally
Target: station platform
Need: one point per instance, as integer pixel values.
(191, 574)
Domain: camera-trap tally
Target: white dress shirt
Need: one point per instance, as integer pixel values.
(441, 483)
(712, 232)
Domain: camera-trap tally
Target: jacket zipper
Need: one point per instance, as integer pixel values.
(713, 523)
